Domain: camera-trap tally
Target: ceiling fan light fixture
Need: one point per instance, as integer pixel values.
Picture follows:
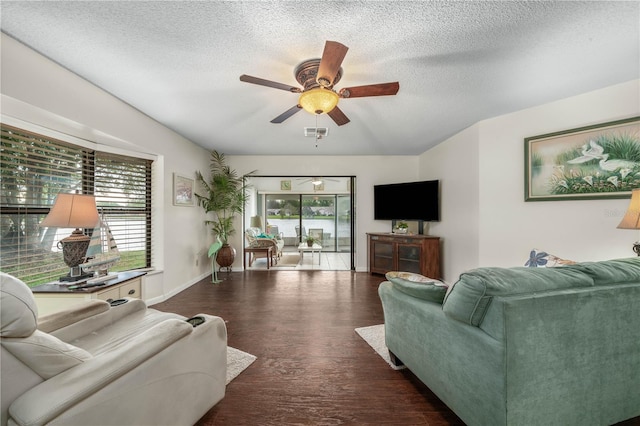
(318, 100)
(316, 181)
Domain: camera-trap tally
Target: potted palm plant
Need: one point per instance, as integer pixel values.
(223, 194)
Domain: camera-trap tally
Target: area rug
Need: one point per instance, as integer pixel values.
(288, 260)
(237, 362)
(374, 336)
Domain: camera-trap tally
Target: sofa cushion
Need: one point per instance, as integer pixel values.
(542, 259)
(18, 310)
(417, 285)
(612, 271)
(47, 355)
(472, 294)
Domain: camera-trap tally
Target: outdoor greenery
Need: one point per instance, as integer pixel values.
(310, 209)
(297, 217)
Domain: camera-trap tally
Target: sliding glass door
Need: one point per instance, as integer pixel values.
(283, 217)
(327, 217)
(344, 226)
(325, 213)
(318, 219)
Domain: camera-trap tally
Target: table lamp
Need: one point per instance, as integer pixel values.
(631, 219)
(256, 222)
(73, 211)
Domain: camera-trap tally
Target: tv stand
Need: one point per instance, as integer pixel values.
(419, 254)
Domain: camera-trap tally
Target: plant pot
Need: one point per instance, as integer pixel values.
(226, 256)
(309, 243)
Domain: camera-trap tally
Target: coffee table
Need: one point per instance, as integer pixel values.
(304, 247)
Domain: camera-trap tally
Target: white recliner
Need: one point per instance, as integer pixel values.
(106, 364)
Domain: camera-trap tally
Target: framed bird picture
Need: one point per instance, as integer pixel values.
(599, 161)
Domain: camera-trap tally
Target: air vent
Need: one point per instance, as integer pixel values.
(313, 132)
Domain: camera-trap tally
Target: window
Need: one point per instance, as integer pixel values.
(34, 169)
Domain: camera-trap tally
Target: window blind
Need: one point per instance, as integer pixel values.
(34, 169)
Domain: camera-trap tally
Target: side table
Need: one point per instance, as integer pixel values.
(53, 297)
(267, 250)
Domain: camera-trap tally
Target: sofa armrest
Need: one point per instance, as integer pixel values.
(58, 320)
(83, 327)
(46, 401)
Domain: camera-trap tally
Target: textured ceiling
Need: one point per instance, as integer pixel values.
(458, 63)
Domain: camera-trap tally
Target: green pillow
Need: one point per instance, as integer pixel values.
(418, 286)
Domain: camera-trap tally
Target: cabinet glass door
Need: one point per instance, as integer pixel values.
(409, 258)
(382, 256)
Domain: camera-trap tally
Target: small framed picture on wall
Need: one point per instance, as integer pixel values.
(285, 185)
(183, 190)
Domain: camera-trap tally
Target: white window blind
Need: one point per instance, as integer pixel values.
(34, 169)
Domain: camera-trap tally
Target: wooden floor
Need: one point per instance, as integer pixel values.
(312, 368)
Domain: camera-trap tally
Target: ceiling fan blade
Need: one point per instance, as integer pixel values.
(370, 90)
(288, 113)
(338, 116)
(332, 57)
(269, 83)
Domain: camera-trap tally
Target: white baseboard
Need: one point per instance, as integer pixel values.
(173, 292)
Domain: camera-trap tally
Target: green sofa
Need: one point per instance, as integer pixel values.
(524, 346)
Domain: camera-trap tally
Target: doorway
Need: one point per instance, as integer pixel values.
(294, 208)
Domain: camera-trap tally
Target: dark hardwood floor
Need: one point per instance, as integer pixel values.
(312, 368)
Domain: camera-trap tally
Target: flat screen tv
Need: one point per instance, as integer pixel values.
(407, 201)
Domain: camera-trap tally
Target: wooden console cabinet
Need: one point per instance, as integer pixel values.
(55, 296)
(419, 254)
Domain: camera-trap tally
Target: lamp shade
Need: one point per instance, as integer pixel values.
(72, 211)
(318, 100)
(256, 222)
(631, 219)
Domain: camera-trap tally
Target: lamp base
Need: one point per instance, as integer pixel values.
(75, 274)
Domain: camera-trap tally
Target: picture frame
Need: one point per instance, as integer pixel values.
(183, 191)
(601, 161)
(285, 185)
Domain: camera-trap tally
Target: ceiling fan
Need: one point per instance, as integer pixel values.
(318, 77)
(316, 180)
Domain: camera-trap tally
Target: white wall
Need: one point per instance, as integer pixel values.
(455, 164)
(41, 94)
(369, 171)
(508, 227)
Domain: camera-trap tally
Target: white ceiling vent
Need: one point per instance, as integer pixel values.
(313, 132)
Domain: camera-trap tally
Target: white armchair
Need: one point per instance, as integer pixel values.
(101, 363)
(254, 240)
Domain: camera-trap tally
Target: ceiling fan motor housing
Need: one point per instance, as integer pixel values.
(306, 73)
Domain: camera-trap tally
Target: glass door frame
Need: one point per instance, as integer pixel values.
(262, 206)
